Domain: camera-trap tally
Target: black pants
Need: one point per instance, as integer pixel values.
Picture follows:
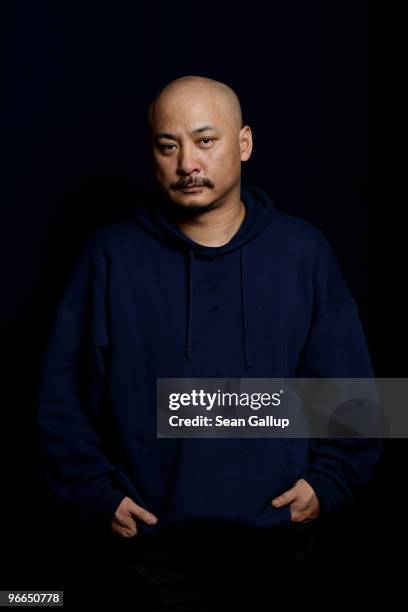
(207, 570)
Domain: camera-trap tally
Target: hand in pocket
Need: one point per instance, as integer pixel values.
(304, 504)
(124, 523)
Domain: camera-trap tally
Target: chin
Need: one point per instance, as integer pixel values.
(193, 204)
(194, 208)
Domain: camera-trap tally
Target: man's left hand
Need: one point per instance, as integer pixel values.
(304, 504)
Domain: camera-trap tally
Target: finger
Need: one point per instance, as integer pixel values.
(286, 498)
(300, 518)
(296, 517)
(123, 520)
(128, 526)
(142, 514)
(124, 532)
(301, 514)
(306, 505)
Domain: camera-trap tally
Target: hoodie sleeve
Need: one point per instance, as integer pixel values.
(73, 460)
(336, 348)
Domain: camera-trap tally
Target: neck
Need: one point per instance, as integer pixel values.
(217, 226)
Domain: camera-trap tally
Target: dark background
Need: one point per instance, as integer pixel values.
(78, 81)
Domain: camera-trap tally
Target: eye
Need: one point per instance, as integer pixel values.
(208, 139)
(166, 148)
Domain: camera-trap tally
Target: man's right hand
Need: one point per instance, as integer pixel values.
(124, 523)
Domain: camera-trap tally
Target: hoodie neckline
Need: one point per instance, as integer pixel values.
(158, 220)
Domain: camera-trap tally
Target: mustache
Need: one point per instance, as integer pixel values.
(183, 183)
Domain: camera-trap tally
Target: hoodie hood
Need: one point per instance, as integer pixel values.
(159, 220)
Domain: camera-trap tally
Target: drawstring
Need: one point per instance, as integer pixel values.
(244, 314)
(187, 348)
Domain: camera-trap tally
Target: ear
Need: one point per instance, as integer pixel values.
(245, 142)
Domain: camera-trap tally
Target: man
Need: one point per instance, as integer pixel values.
(210, 280)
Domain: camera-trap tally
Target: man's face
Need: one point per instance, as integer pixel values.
(197, 148)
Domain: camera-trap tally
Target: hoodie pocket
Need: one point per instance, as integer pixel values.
(269, 466)
(154, 467)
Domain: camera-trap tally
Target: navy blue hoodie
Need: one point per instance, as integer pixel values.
(144, 301)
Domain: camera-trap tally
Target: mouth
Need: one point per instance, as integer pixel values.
(191, 189)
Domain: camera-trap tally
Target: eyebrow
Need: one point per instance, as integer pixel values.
(204, 128)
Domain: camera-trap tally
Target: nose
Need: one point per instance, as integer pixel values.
(188, 161)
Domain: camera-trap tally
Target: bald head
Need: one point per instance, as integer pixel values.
(197, 90)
